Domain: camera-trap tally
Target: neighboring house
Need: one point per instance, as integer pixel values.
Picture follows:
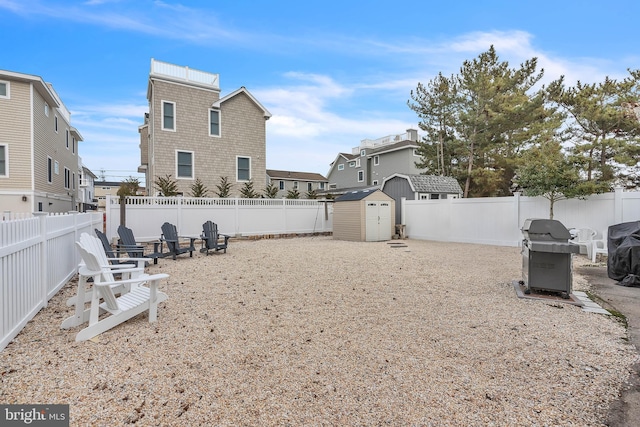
(420, 187)
(304, 182)
(110, 188)
(191, 132)
(38, 147)
(86, 189)
(373, 160)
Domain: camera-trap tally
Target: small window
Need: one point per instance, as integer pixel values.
(184, 164)
(295, 185)
(321, 185)
(39, 206)
(73, 181)
(434, 196)
(333, 186)
(168, 115)
(4, 90)
(341, 167)
(352, 164)
(375, 182)
(281, 185)
(360, 176)
(55, 123)
(363, 153)
(56, 168)
(415, 152)
(376, 160)
(214, 123)
(73, 145)
(67, 178)
(4, 157)
(309, 186)
(66, 135)
(244, 169)
(46, 109)
(49, 170)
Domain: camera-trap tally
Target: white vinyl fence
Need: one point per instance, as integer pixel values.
(235, 217)
(37, 257)
(498, 220)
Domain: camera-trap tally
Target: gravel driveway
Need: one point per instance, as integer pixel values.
(315, 331)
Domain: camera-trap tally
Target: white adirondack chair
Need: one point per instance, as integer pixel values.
(128, 271)
(139, 299)
(584, 238)
(600, 246)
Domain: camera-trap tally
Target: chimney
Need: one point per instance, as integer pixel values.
(413, 134)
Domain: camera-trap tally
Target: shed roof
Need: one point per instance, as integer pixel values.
(356, 195)
(430, 183)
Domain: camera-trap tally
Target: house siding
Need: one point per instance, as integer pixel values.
(397, 188)
(400, 161)
(242, 133)
(15, 133)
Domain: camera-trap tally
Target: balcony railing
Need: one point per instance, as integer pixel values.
(186, 74)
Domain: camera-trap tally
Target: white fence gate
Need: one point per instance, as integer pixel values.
(37, 257)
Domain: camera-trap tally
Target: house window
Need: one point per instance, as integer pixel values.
(214, 123)
(184, 164)
(49, 170)
(321, 186)
(358, 163)
(281, 185)
(244, 168)
(67, 138)
(39, 206)
(434, 196)
(4, 167)
(4, 90)
(333, 186)
(55, 123)
(341, 167)
(73, 145)
(56, 168)
(363, 153)
(415, 152)
(360, 176)
(352, 164)
(168, 115)
(73, 181)
(67, 178)
(376, 160)
(309, 186)
(375, 182)
(46, 109)
(295, 185)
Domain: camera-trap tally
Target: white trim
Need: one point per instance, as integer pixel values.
(360, 173)
(237, 178)
(219, 123)
(56, 167)
(8, 86)
(193, 161)
(376, 160)
(162, 102)
(5, 148)
(358, 162)
(265, 112)
(341, 167)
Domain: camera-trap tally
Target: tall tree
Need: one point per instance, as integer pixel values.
(479, 120)
(605, 136)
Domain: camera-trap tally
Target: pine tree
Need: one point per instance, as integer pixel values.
(270, 191)
(247, 191)
(198, 189)
(293, 194)
(224, 188)
(166, 185)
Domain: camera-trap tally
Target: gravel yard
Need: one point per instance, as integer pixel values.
(315, 331)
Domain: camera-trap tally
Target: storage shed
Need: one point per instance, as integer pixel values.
(364, 215)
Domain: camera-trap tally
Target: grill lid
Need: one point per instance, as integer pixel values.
(545, 229)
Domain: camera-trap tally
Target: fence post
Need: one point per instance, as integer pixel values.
(44, 262)
(617, 205)
(179, 213)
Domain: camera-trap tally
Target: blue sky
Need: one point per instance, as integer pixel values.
(331, 73)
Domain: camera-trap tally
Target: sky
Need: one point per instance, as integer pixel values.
(331, 73)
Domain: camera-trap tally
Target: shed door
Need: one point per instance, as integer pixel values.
(378, 221)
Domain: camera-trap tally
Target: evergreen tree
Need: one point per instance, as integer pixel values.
(312, 194)
(198, 189)
(270, 191)
(129, 187)
(224, 188)
(166, 185)
(247, 191)
(293, 194)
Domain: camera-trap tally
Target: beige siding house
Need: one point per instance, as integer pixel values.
(304, 182)
(38, 147)
(191, 132)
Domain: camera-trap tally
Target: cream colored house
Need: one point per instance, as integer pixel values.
(191, 132)
(38, 147)
(303, 182)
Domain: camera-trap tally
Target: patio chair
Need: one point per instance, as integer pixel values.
(211, 239)
(584, 238)
(139, 299)
(112, 255)
(170, 236)
(599, 246)
(129, 244)
(134, 270)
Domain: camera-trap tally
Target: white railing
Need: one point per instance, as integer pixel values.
(37, 257)
(498, 220)
(236, 217)
(184, 73)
